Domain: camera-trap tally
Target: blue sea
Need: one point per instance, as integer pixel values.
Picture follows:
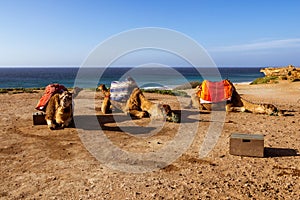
(146, 77)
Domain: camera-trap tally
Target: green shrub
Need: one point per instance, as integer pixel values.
(29, 90)
(264, 80)
(189, 85)
(167, 92)
(18, 90)
(2, 91)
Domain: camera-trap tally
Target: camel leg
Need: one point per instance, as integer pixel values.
(229, 107)
(155, 110)
(50, 124)
(206, 106)
(195, 101)
(133, 105)
(139, 102)
(137, 114)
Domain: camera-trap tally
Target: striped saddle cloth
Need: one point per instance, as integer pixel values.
(214, 92)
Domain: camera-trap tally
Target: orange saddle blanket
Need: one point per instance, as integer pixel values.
(214, 92)
(50, 90)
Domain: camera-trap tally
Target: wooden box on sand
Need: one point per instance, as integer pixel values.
(39, 118)
(246, 145)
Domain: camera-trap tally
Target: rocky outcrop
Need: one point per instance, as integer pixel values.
(284, 73)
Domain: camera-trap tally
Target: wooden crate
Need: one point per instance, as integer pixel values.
(39, 118)
(247, 145)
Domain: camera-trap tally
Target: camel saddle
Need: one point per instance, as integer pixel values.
(215, 92)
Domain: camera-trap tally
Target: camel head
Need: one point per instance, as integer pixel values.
(167, 109)
(102, 88)
(65, 99)
(272, 110)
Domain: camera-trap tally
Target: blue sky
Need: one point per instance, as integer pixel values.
(238, 33)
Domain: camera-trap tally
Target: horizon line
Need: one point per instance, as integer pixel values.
(69, 66)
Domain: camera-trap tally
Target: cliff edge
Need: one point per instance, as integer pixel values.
(289, 72)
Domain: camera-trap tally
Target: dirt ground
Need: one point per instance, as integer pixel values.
(37, 163)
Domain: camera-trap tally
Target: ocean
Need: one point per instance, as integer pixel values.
(146, 77)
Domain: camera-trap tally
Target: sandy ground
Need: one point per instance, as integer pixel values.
(37, 163)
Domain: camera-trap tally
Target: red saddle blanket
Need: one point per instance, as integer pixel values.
(50, 90)
(214, 92)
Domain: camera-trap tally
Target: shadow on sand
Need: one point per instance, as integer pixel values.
(90, 122)
(279, 152)
(97, 122)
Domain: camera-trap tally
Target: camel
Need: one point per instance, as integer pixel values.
(234, 103)
(57, 105)
(137, 105)
(106, 105)
(59, 110)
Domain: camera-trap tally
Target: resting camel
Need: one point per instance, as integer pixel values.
(59, 110)
(234, 103)
(137, 105)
